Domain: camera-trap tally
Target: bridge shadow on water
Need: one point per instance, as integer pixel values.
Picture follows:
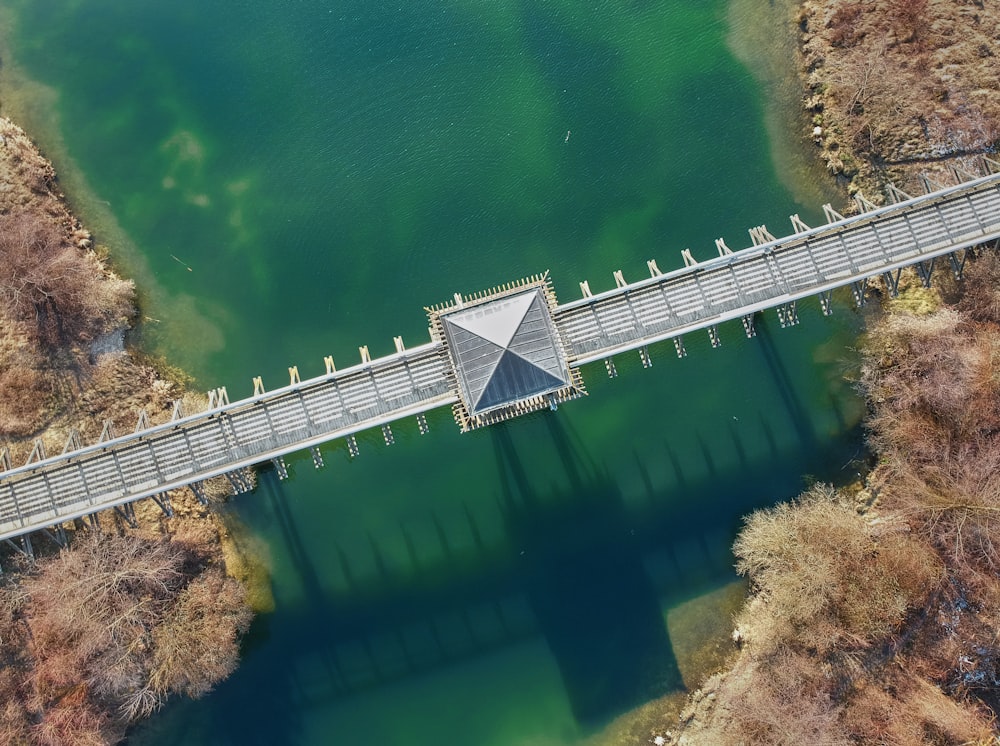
(797, 411)
(576, 567)
(582, 569)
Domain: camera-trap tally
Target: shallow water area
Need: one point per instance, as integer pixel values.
(302, 179)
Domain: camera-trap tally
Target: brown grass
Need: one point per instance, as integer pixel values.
(900, 87)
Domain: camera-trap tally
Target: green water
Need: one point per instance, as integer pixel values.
(293, 179)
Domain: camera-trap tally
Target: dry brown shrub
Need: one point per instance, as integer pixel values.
(906, 710)
(908, 18)
(871, 717)
(72, 723)
(823, 580)
(980, 300)
(24, 413)
(943, 719)
(92, 610)
(938, 367)
(936, 422)
(45, 280)
(103, 633)
(843, 24)
(197, 644)
(15, 723)
(781, 701)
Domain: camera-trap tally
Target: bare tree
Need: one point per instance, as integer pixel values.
(60, 289)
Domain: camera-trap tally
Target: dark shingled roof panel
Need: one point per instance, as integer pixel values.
(505, 350)
(515, 378)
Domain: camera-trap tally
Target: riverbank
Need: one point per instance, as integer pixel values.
(871, 610)
(900, 88)
(178, 594)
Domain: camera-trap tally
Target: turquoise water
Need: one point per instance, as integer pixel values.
(289, 180)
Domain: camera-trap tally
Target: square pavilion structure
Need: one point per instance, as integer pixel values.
(506, 355)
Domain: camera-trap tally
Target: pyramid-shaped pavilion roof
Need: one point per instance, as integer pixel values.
(505, 350)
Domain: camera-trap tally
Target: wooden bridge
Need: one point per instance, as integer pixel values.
(502, 353)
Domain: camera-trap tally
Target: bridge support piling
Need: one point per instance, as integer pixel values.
(37, 453)
(609, 366)
(23, 546)
(56, 536)
(797, 225)
(961, 175)
(864, 205)
(198, 488)
(925, 270)
(989, 165)
(163, 500)
(178, 410)
(679, 346)
(958, 265)
(4, 459)
(760, 235)
(788, 314)
(280, 468)
(647, 361)
(240, 480)
(107, 432)
(387, 435)
(422, 424)
(258, 386)
(897, 195)
(825, 302)
(858, 289)
(748, 326)
(720, 245)
(218, 398)
(317, 457)
(352, 446)
(127, 514)
(831, 215)
(892, 282)
(713, 337)
(72, 444)
(930, 185)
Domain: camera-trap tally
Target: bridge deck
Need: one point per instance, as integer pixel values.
(223, 439)
(307, 413)
(780, 271)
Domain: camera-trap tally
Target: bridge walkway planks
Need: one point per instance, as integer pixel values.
(307, 413)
